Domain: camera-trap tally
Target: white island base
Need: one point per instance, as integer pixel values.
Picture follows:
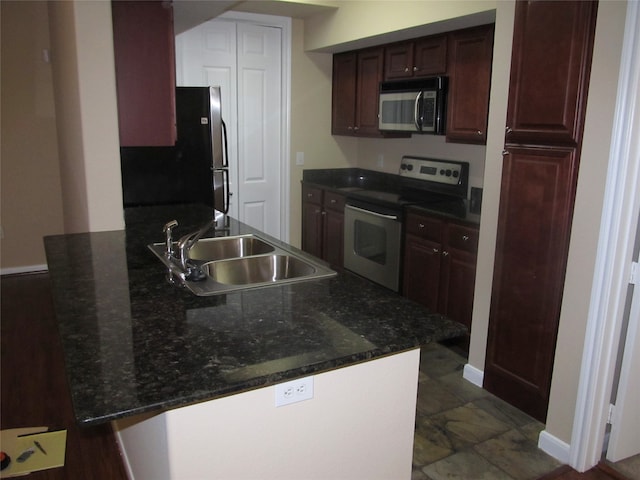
(358, 425)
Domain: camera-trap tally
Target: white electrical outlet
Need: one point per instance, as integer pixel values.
(299, 158)
(380, 160)
(294, 391)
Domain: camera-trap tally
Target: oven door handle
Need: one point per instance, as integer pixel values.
(369, 212)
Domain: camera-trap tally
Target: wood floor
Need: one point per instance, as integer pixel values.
(600, 472)
(33, 385)
(34, 389)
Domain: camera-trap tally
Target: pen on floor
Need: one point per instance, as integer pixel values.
(37, 443)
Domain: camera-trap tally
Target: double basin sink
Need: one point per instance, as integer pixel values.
(242, 262)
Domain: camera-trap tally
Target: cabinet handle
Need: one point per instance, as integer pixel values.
(309, 195)
(324, 213)
(435, 250)
(508, 129)
(465, 237)
(505, 152)
(333, 200)
(356, 128)
(349, 127)
(415, 69)
(445, 253)
(421, 225)
(479, 132)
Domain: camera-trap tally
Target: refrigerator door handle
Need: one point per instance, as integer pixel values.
(225, 151)
(227, 194)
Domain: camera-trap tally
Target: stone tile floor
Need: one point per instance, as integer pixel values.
(463, 432)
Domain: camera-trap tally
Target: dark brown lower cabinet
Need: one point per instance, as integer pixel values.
(333, 229)
(323, 224)
(536, 206)
(440, 265)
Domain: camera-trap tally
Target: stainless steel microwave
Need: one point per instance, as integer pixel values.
(413, 106)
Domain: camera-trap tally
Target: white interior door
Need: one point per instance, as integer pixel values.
(259, 120)
(624, 439)
(244, 59)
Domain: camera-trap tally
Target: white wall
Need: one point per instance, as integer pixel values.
(31, 196)
(358, 425)
(356, 24)
(585, 229)
(87, 122)
(311, 122)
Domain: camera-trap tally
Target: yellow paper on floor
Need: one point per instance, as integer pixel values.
(17, 441)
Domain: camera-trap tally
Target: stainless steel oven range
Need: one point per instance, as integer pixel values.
(373, 233)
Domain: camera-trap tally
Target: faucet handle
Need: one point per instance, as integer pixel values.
(169, 225)
(167, 229)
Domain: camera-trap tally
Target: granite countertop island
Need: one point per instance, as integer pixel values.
(134, 343)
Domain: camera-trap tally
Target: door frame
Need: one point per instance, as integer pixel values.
(613, 261)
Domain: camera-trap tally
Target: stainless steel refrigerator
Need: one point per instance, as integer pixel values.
(195, 170)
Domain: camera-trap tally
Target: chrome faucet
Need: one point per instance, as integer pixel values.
(189, 240)
(180, 258)
(168, 232)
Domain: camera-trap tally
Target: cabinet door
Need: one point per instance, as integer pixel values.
(343, 110)
(333, 238)
(430, 56)
(398, 61)
(421, 278)
(312, 220)
(536, 206)
(143, 44)
(470, 53)
(370, 71)
(333, 228)
(550, 65)
(458, 282)
(459, 258)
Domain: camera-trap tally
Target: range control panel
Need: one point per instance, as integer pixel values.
(448, 172)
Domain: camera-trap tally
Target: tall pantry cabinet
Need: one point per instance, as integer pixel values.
(550, 67)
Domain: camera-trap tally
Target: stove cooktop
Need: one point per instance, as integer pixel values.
(439, 184)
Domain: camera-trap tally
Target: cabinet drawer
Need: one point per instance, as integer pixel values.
(463, 238)
(424, 227)
(334, 201)
(311, 194)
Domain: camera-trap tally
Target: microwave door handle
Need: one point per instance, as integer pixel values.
(417, 120)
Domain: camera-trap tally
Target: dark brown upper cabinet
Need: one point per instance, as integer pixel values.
(143, 44)
(470, 57)
(356, 83)
(550, 70)
(419, 58)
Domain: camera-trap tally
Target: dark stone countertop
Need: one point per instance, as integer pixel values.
(134, 343)
(348, 181)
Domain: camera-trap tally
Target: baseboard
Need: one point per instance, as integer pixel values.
(123, 453)
(554, 446)
(473, 375)
(27, 269)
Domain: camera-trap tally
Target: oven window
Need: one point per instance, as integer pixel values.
(370, 242)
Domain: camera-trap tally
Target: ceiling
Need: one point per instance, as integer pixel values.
(190, 13)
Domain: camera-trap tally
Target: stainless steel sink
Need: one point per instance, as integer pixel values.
(260, 269)
(208, 249)
(242, 262)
